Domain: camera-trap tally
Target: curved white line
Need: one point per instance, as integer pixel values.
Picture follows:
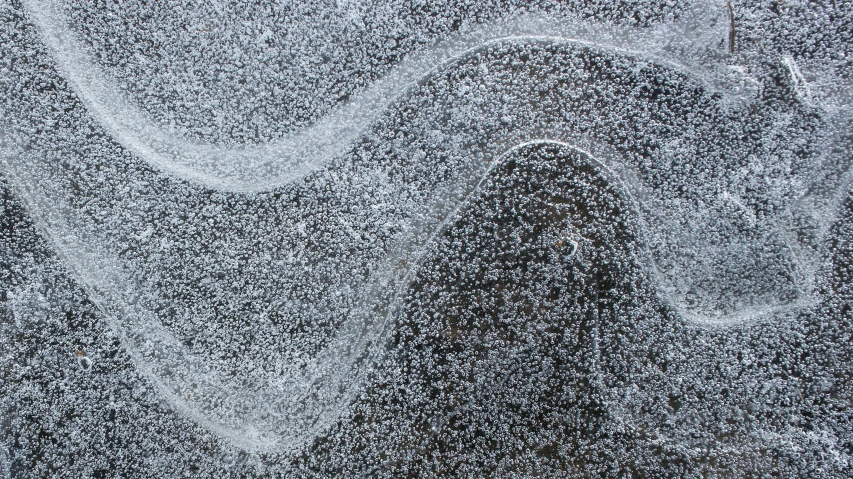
(248, 169)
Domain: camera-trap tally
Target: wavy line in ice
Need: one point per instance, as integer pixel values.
(255, 168)
(253, 416)
(250, 413)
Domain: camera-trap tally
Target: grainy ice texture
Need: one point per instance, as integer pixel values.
(413, 239)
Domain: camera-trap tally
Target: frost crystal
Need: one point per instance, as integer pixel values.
(411, 239)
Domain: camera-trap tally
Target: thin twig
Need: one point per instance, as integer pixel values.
(731, 27)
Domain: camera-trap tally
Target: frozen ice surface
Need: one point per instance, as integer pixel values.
(410, 239)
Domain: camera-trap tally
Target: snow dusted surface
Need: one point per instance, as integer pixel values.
(346, 239)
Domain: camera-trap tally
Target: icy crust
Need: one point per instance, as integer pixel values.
(193, 279)
(542, 230)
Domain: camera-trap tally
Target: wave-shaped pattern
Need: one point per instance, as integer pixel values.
(259, 293)
(259, 168)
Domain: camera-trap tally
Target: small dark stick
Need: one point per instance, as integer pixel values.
(731, 27)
